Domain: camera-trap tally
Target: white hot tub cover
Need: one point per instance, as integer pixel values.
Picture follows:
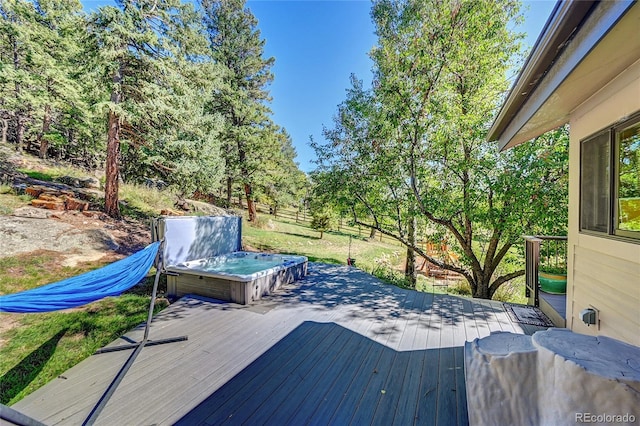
(197, 237)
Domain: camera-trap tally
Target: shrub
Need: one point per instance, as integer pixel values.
(322, 221)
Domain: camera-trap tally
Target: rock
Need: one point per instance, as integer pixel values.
(155, 183)
(30, 212)
(75, 204)
(169, 212)
(183, 204)
(19, 188)
(89, 194)
(50, 197)
(48, 204)
(69, 180)
(34, 191)
(91, 213)
(89, 182)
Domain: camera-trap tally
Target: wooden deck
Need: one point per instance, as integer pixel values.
(337, 348)
(555, 307)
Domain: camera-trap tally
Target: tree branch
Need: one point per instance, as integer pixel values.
(503, 279)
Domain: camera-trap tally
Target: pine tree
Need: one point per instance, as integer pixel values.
(61, 27)
(17, 76)
(283, 183)
(236, 44)
(150, 53)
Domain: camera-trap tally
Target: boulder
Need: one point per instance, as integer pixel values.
(75, 204)
(30, 212)
(89, 182)
(69, 180)
(48, 204)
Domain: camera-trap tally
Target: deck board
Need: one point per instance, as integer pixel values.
(338, 347)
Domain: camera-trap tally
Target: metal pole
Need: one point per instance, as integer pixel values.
(104, 399)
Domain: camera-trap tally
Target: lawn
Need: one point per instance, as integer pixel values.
(385, 259)
(36, 348)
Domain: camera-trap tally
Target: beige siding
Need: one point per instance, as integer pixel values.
(609, 284)
(603, 272)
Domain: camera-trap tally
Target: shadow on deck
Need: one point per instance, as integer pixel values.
(338, 347)
(322, 373)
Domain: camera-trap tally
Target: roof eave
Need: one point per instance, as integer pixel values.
(542, 73)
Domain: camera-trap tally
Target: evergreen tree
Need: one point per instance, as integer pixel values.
(150, 54)
(283, 183)
(236, 44)
(62, 90)
(18, 48)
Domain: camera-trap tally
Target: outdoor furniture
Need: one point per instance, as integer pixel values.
(553, 377)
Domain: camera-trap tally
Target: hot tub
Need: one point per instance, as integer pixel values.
(241, 277)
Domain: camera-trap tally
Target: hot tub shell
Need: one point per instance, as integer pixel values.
(188, 278)
(191, 241)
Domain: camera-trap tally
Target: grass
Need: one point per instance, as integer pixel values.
(285, 236)
(50, 173)
(46, 345)
(383, 259)
(39, 347)
(9, 201)
(142, 202)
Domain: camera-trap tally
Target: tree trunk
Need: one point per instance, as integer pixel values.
(482, 290)
(372, 234)
(248, 190)
(410, 268)
(112, 169)
(20, 120)
(5, 129)
(46, 125)
(111, 185)
(229, 191)
(251, 206)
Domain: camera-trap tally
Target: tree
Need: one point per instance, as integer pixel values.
(423, 161)
(322, 220)
(282, 183)
(150, 54)
(236, 44)
(44, 76)
(17, 49)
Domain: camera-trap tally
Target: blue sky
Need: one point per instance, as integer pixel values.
(317, 46)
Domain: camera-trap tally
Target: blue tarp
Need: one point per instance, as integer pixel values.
(110, 280)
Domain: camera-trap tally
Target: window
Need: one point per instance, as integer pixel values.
(610, 181)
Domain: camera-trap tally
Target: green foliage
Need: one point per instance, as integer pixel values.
(554, 269)
(142, 202)
(249, 138)
(412, 149)
(287, 236)
(322, 221)
(184, 90)
(45, 88)
(282, 183)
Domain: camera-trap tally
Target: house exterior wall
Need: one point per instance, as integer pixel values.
(603, 273)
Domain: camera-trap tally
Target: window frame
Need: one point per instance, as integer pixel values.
(613, 218)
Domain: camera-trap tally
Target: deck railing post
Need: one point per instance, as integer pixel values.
(532, 260)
